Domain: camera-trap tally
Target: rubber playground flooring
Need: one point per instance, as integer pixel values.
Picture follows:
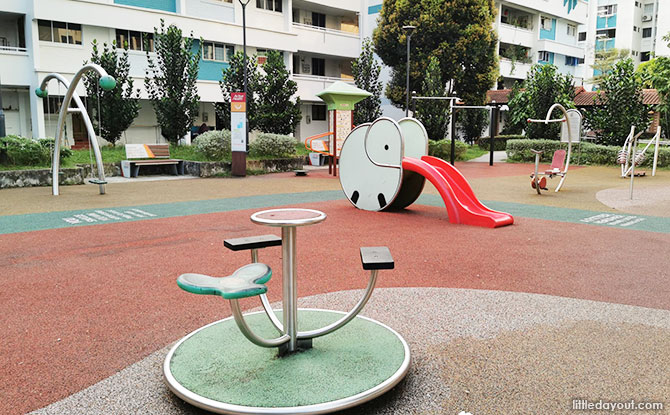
(89, 280)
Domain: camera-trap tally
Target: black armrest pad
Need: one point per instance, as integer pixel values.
(252, 242)
(376, 257)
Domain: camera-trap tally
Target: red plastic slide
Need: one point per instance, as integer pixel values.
(461, 202)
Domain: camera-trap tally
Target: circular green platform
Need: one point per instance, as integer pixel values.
(218, 369)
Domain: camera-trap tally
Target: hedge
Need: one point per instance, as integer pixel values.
(272, 145)
(215, 145)
(500, 142)
(591, 154)
(22, 151)
(442, 149)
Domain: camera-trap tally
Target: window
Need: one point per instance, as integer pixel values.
(318, 67)
(318, 113)
(135, 40)
(571, 61)
(572, 30)
(546, 23)
(59, 32)
(607, 10)
(645, 56)
(274, 5)
(646, 32)
(318, 19)
(212, 51)
(606, 34)
(635, 29)
(582, 36)
(544, 56)
(649, 9)
(580, 61)
(261, 56)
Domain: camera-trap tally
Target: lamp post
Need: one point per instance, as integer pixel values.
(409, 29)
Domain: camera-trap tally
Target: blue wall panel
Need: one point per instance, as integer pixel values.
(549, 34)
(165, 5)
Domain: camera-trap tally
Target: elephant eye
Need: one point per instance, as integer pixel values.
(386, 147)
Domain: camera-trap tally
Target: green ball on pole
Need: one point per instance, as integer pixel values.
(107, 83)
(42, 93)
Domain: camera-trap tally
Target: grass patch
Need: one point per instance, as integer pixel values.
(473, 152)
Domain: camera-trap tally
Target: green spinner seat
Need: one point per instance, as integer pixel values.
(247, 281)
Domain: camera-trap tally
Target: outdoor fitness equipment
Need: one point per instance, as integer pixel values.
(625, 155)
(106, 82)
(384, 165)
(560, 163)
(215, 368)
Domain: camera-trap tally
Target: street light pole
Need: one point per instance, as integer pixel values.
(409, 29)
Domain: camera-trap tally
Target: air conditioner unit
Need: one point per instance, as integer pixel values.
(646, 18)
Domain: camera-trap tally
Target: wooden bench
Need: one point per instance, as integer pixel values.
(149, 155)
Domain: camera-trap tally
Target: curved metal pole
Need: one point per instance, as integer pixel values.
(250, 335)
(348, 317)
(547, 120)
(271, 314)
(402, 146)
(264, 300)
(61, 119)
(87, 122)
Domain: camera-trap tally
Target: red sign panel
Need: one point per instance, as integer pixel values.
(238, 97)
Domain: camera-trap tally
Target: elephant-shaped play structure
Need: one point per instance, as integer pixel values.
(384, 165)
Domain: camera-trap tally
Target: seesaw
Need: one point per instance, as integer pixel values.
(384, 166)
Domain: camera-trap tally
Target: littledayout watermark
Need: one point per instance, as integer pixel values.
(612, 406)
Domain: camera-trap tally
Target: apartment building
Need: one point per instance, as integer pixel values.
(318, 40)
(634, 25)
(545, 32)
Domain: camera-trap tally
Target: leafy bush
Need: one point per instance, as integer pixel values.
(519, 151)
(272, 145)
(21, 151)
(442, 149)
(215, 145)
(500, 143)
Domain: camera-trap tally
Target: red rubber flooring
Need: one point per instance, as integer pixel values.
(79, 304)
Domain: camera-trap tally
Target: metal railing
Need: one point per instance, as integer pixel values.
(326, 30)
(4, 48)
(307, 77)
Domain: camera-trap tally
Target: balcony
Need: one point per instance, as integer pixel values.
(516, 69)
(322, 40)
(310, 85)
(561, 48)
(516, 35)
(16, 68)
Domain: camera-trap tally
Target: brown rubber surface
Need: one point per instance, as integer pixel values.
(80, 304)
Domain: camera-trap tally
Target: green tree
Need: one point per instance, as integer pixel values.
(543, 87)
(656, 74)
(171, 81)
(119, 106)
(277, 113)
(604, 62)
(233, 81)
(458, 32)
(472, 122)
(619, 106)
(366, 75)
(433, 114)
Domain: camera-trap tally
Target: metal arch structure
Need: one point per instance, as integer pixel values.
(106, 82)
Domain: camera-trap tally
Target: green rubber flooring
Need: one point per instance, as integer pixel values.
(219, 363)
